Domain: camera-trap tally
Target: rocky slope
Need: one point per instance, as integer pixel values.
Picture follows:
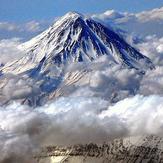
(140, 149)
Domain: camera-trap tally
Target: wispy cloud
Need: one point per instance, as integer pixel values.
(31, 26)
(23, 30)
(8, 26)
(9, 50)
(143, 23)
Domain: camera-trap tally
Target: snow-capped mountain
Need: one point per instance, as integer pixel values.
(72, 39)
(76, 38)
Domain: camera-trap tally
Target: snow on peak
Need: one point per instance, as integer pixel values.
(75, 38)
(73, 14)
(68, 17)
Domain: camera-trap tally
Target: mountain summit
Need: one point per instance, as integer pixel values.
(76, 38)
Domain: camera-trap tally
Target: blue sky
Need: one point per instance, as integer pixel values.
(26, 10)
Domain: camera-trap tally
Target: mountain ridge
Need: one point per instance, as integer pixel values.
(131, 149)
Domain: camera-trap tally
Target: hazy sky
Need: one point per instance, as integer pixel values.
(25, 10)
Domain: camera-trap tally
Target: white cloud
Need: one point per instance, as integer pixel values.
(143, 23)
(33, 26)
(24, 30)
(8, 26)
(153, 48)
(9, 50)
(19, 129)
(24, 129)
(17, 87)
(152, 82)
(141, 115)
(111, 82)
(155, 14)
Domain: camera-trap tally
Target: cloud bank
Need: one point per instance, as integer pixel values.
(24, 130)
(144, 23)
